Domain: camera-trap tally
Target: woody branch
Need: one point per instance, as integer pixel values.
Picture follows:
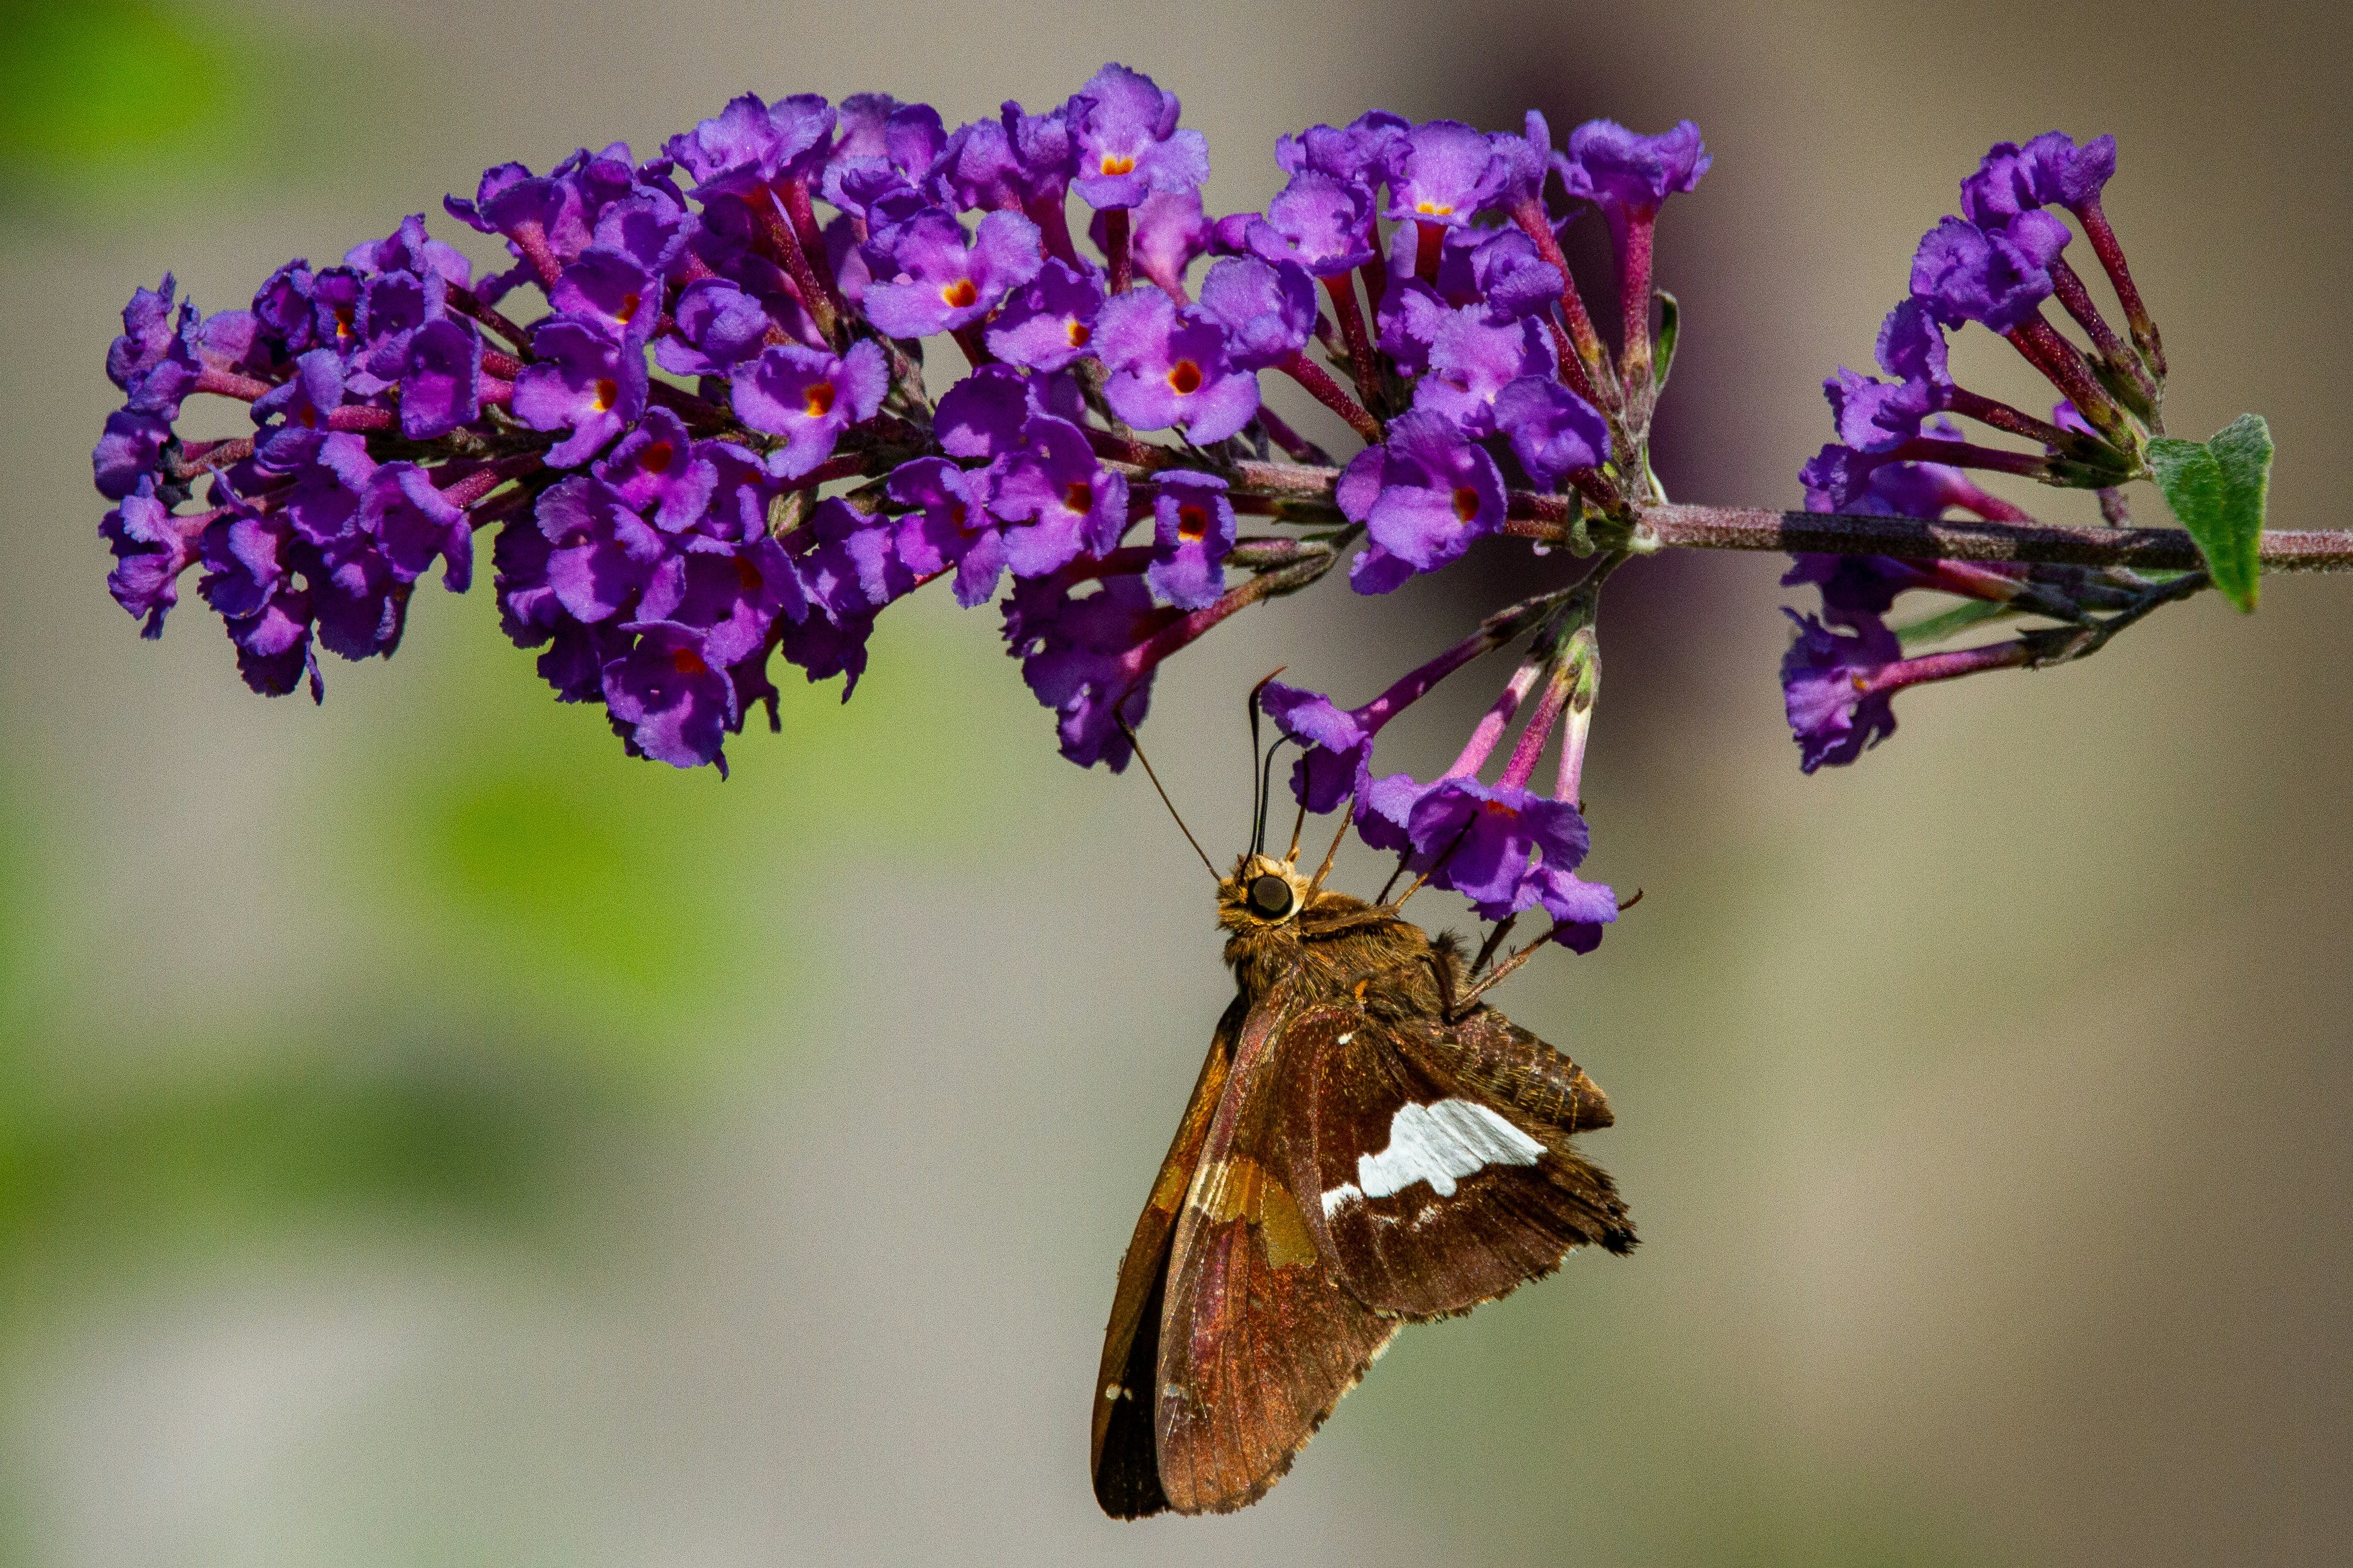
(1550, 517)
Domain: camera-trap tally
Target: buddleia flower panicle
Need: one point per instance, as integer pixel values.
(692, 407)
(2000, 265)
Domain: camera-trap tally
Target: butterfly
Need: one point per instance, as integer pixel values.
(1363, 1150)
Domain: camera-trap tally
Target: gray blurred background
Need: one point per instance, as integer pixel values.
(427, 1136)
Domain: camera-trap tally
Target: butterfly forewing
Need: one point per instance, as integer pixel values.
(1258, 1339)
(1434, 1159)
(1126, 1463)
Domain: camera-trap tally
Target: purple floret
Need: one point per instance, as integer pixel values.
(1338, 744)
(1050, 325)
(928, 278)
(1192, 530)
(676, 706)
(1123, 129)
(413, 523)
(1323, 224)
(657, 465)
(441, 387)
(1471, 361)
(1443, 173)
(947, 524)
(1423, 496)
(809, 399)
(983, 415)
(601, 553)
(750, 143)
(1552, 431)
(718, 327)
(1479, 839)
(1056, 499)
(583, 381)
(1628, 175)
(1825, 684)
(1168, 369)
(1170, 234)
(250, 582)
(151, 548)
(1355, 153)
(1268, 310)
(1999, 276)
(1082, 657)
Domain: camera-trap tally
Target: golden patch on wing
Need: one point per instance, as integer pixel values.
(1240, 1188)
(1169, 1191)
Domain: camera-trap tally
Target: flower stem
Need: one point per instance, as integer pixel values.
(1117, 251)
(1332, 395)
(1537, 225)
(2112, 260)
(1634, 305)
(1362, 367)
(2062, 363)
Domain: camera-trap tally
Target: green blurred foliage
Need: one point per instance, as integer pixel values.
(509, 849)
(107, 90)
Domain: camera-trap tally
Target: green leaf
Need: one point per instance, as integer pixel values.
(1671, 327)
(2218, 489)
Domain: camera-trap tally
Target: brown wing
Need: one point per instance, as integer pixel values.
(1126, 1468)
(1433, 1162)
(1257, 1340)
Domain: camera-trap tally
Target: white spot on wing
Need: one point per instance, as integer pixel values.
(1344, 1194)
(1439, 1145)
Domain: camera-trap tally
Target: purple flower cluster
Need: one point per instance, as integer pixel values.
(314, 532)
(1898, 454)
(690, 400)
(1999, 265)
(708, 440)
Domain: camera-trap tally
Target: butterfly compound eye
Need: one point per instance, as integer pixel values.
(1270, 897)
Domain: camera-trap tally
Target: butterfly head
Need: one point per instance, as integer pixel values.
(1261, 894)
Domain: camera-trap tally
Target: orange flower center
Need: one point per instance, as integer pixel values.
(817, 402)
(1185, 378)
(1079, 333)
(1432, 209)
(960, 294)
(1115, 164)
(629, 303)
(658, 457)
(608, 393)
(342, 320)
(686, 661)
(1192, 523)
(747, 576)
(307, 417)
(1079, 496)
(1466, 503)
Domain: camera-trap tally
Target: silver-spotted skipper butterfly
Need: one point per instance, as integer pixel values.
(1363, 1151)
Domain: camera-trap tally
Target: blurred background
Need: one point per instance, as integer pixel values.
(428, 1136)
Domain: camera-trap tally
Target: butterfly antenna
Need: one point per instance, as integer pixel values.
(1171, 804)
(1257, 788)
(1265, 796)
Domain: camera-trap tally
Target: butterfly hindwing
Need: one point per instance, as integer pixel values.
(1432, 1160)
(1124, 1451)
(1258, 1339)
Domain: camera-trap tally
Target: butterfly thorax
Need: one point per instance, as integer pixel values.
(1323, 944)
